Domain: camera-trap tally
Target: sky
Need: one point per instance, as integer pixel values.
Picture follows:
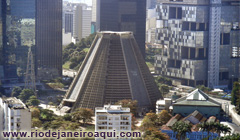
(88, 2)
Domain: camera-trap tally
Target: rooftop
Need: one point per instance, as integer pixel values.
(14, 103)
(197, 98)
(112, 109)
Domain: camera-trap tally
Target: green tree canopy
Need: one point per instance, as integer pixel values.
(163, 117)
(230, 137)
(155, 134)
(83, 114)
(132, 104)
(203, 88)
(16, 91)
(163, 80)
(25, 94)
(235, 93)
(33, 101)
(46, 115)
(35, 112)
(75, 53)
(36, 122)
(181, 128)
(208, 127)
(164, 89)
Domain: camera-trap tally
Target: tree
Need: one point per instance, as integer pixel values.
(149, 121)
(25, 94)
(163, 80)
(155, 134)
(163, 117)
(46, 115)
(132, 104)
(35, 112)
(164, 89)
(226, 130)
(203, 88)
(208, 127)
(220, 128)
(83, 114)
(181, 128)
(16, 91)
(133, 122)
(230, 137)
(146, 124)
(67, 117)
(36, 122)
(33, 101)
(235, 93)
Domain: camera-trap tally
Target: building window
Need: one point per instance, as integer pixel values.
(225, 38)
(174, 63)
(102, 118)
(235, 52)
(102, 127)
(193, 26)
(175, 13)
(124, 118)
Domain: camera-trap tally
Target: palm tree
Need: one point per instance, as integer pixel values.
(226, 129)
(209, 127)
(181, 128)
(218, 128)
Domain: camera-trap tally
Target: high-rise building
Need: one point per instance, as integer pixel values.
(1, 43)
(17, 34)
(123, 15)
(15, 116)
(81, 22)
(200, 41)
(151, 4)
(68, 25)
(24, 24)
(49, 36)
(77, 20)
(113, 70)
(94, 16)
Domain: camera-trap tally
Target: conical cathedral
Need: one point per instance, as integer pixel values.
(113, 69)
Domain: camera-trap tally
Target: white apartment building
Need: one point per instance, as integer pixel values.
(163, 105)
(14, 116)
(113, 117)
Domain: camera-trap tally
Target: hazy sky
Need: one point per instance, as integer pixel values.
(88, 2)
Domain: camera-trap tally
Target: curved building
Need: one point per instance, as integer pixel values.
(113, 69)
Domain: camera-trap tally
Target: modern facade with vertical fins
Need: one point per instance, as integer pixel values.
(113, 69)
(49, 35)
(122, 15)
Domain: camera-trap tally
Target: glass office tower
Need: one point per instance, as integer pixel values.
(17, 35)
(123, 15)
(49, 38)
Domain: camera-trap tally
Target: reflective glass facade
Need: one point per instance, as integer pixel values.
(18, 24)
